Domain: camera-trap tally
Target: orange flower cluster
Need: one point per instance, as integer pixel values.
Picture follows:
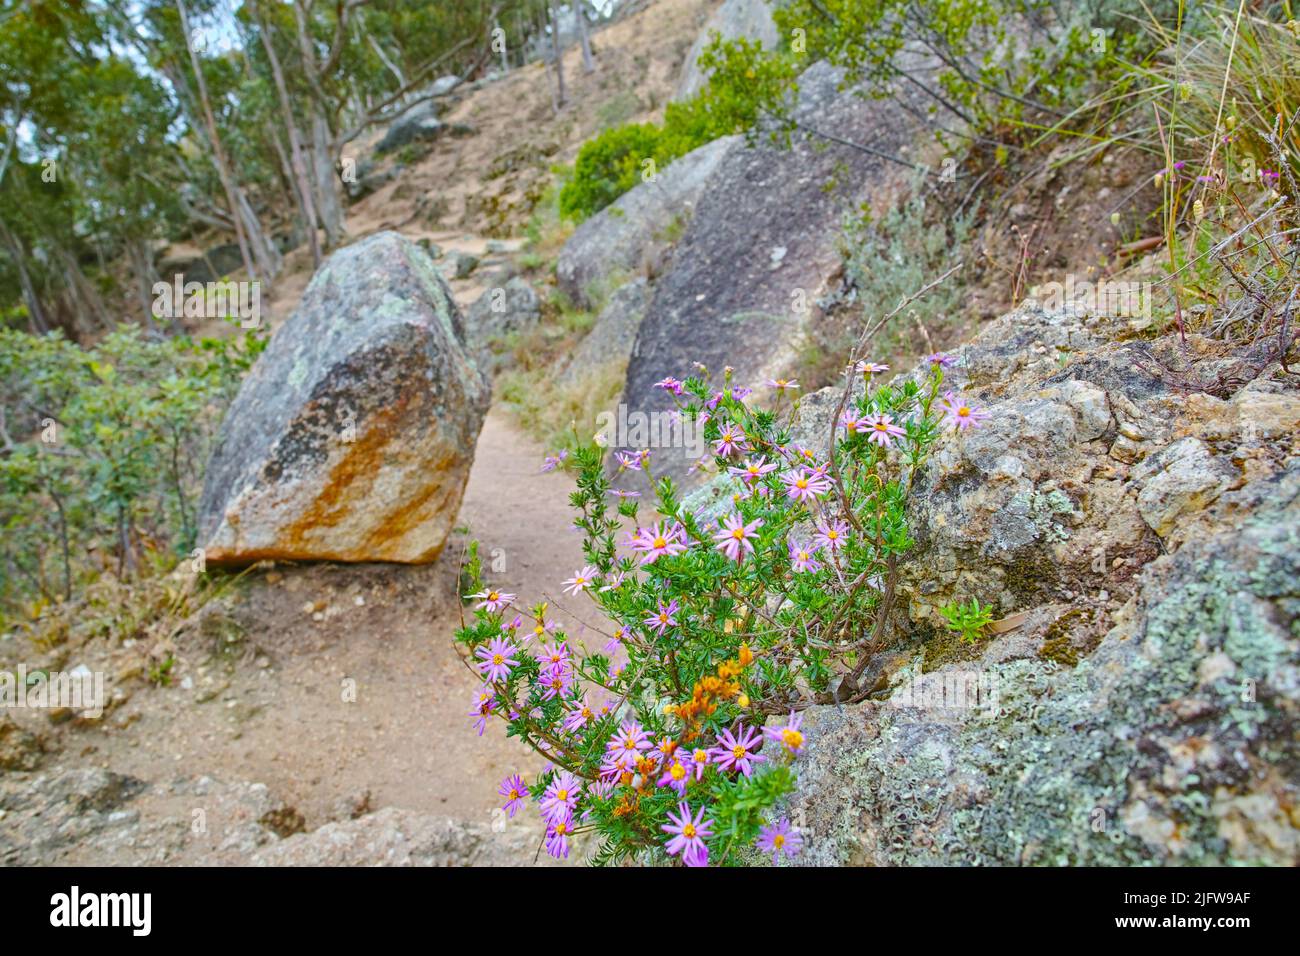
(710, 691)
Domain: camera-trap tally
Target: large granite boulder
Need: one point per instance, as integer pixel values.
(1173, 743)
(750, 19)
(1138, 698)
(762, 245)
(616, 242)
(352, 436)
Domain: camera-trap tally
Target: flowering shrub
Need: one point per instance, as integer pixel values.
(661, 741)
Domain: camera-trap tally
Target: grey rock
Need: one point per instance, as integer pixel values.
(1173, 743)
(502, 310)
(611, 337)
(1183, 477)
(20, 749)
(615, 243)
(750, 19)
(393, 837)
(461, 265)
(419, 124)
(371, 179)
(352, 436)
(720, 302)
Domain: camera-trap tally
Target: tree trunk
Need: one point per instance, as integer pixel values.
(559, 59)
(218, 152)
(305, 198)
(329, 203)
(137, 251)
(84, 296)
(580, 15)
(35, 312)
(265, 254)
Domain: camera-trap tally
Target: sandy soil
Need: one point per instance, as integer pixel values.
(272, 708)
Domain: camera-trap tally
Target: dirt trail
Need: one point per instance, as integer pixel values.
(274, 710)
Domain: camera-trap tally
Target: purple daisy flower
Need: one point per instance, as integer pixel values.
(561, 798)
(582, 579)
(941, 360)
(496, 659)
(658, 541)
(751, 470)
(492, 600)
(959, 415)
(881, 430)
(688, 835)
(736, 752)
(735, 539)
(514, 790)
(831, 534)
(801, 558)
(628, 743)
(777, 838)
(557, 839)
(731, 439)
(662, 619)
(788, 734)
(578, 715)
(675, 775)
(805, 485)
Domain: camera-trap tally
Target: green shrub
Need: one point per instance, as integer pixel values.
(607, 167)
(102, 453)
(743, 82)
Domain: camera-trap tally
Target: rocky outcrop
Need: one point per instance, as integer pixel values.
(1139, 699)
(616, 242)
(352, 436)
(1174, 742)
(393, 837)
(93, 816)
(750, 19)
(762, 246)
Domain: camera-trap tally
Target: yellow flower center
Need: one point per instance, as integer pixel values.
(677, 771)
(738, 534)
(514, 794)
(801, 483)
(492, 595)
(738, 752)
(791, 738)
(561, 829)
(660, 543)
(663, 618)
(833, 535)
(778, 841)
(561, 795)
(498, 659)
(688, 831)
(881, 426)
(701, 756)
(963, 411)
